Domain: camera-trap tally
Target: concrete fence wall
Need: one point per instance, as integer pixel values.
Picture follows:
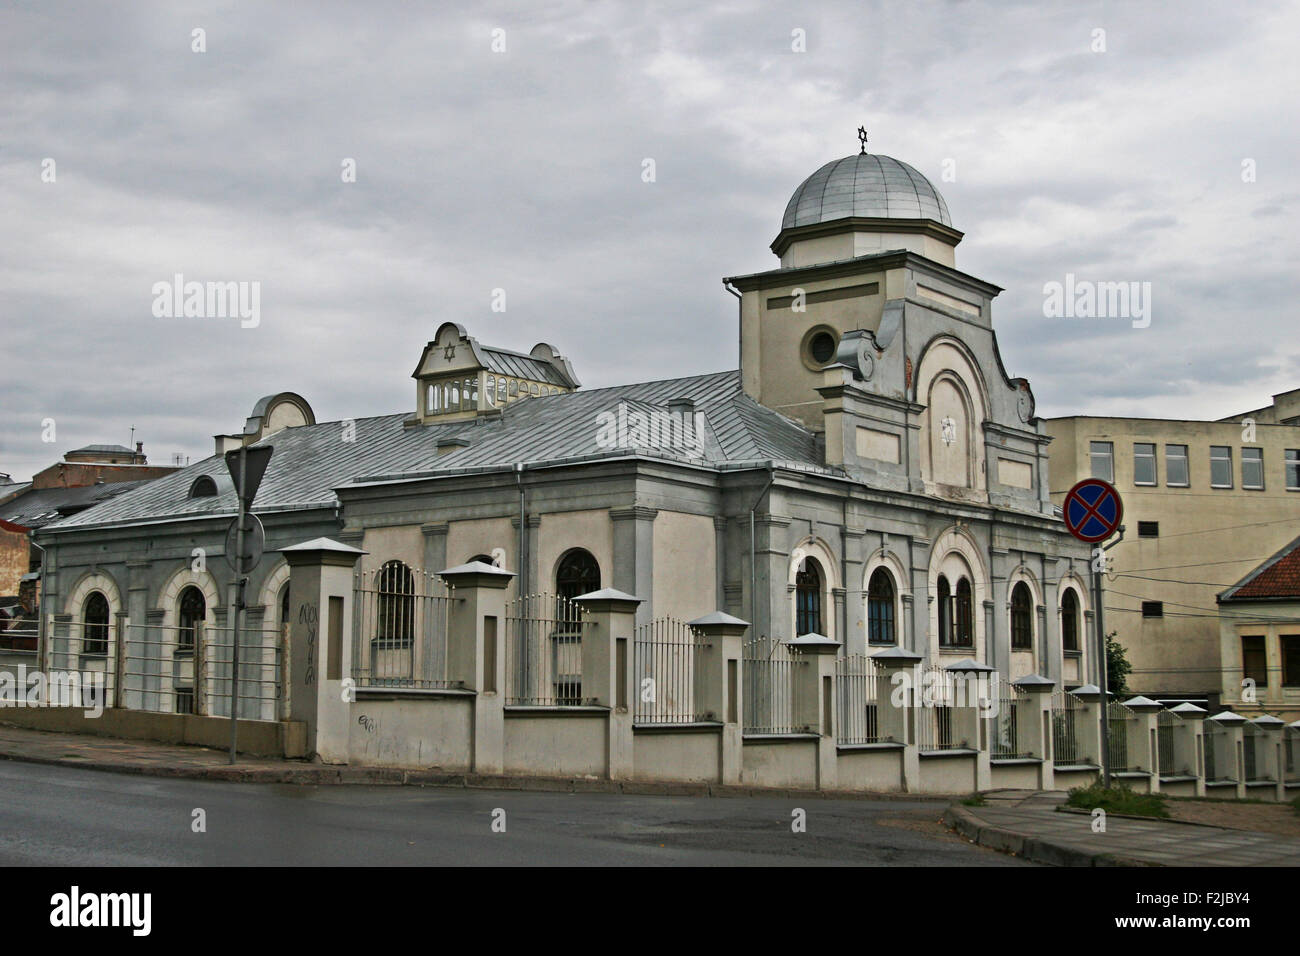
(897, 742)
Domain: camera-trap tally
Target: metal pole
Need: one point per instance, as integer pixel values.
(1102, 668)
(239, 604)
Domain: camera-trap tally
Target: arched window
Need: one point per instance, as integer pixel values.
(965, 636)
(1022, 618)
(94, 624)
(191, 610)
(575, 575)
(485, 558)
(880, 608)
(945, 613)
(1069, 621)
(808, 599)
(284, 604)
(395, 607)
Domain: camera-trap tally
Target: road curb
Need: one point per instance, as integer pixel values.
(307, 774)
(967, 824)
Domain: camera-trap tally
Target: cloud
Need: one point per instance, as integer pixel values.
(522, 170)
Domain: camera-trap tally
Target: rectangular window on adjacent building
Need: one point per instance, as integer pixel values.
(1252, 468)
(1144, 463)
(1291, 660)
(1254, 661)
(1153, 609)
(1293, 469)
(1176, 466)
(1102, 455)
(1220, 466)
(1148, 529)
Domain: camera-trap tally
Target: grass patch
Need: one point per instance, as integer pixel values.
(1118, 800)
(975, 800)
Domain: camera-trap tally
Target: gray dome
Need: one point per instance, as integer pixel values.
(866, 185)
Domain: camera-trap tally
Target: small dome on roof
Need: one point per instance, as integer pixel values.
(865, 186)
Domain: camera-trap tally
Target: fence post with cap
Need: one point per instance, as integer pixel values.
(897, 696)
(721, 686)
(320, 612)
(814, 700)
(476, 655)
(1033, 727)
(607, 669)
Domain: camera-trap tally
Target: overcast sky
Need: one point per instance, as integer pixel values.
(522, 170)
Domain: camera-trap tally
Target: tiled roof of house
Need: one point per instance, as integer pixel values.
(1277, 578)
(311, 461)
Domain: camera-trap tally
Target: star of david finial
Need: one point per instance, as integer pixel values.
(862, 138)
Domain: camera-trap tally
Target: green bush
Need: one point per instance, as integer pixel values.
(1118, 800)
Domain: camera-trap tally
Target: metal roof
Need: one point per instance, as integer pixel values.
(310, 461)
(108, 449)
(42, 506)
(505, 362)
(866, 186)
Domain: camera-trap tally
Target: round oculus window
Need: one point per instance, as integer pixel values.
(822, 347)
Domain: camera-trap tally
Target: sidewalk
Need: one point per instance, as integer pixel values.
(201, 763)
(1029, 824)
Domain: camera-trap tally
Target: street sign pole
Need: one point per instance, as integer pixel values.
(1093, 511)
(247, 469)
(1102, 667)
(240, 571)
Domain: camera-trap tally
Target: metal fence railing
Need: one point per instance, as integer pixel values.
(772, 684)
(1220, 760)
(1166, 755)
(1009, 742)
(1067, 720)
(1121, 721)
(935, 711)
(181, 670)
(856, 689)
(544, 651)
(399, 636)
(1254, 753)
(89, 649)
(667, 673)
(1291, 754)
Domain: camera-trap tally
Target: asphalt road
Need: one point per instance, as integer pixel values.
(72, 817)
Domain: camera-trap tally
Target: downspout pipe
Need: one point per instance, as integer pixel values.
(42, 638)
(753, 549)
(522, 573)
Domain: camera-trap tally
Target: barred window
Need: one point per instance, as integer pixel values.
(1070, 621)
(192, 609)
(945, 612)
(575, 575)
(880, 608)
(965, 636)
(94, 624)
(808, 598)
(395, 608)
(1022, 618)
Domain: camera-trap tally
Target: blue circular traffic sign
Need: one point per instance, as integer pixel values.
(1092, 510)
